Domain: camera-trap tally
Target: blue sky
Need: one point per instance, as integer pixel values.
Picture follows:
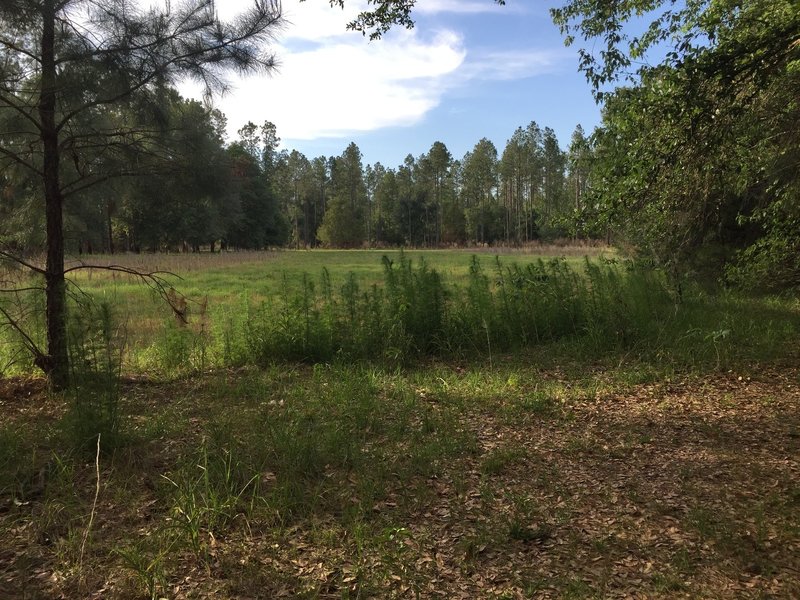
(470, 69)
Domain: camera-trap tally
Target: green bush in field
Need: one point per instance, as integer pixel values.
(296, 327)
(604, 308)
(413, 314)
(401, 320)
(96, 346)
(416, 304)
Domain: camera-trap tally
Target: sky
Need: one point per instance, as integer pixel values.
(469, 69)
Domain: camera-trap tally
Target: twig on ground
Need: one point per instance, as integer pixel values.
(94, 504)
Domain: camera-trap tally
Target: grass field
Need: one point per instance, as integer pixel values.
(229, 279)
(224, 287)
(601, 438)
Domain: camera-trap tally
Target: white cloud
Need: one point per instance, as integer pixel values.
(344, 87)
(314, 20)
(512, 64)
(317, 21)
(332, 82)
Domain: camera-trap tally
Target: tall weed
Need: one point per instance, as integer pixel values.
(603, 308)
(96, 348)
(214, 487)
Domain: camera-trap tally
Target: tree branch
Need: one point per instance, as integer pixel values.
(12, 46)
(19, 160)
(195, 57)
(17, 290)
(155, 280)
(21, 110)
(38, 355)
(25, 264)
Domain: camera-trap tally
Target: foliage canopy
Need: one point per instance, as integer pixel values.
(698, 157)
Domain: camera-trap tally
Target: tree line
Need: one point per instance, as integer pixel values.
(193, 190)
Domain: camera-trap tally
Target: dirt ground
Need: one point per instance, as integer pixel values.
(680, 489)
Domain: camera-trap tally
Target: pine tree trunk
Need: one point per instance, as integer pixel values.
(57, 364)
(109, 226)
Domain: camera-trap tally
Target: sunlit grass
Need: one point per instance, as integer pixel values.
(478, 304)
(231, 283)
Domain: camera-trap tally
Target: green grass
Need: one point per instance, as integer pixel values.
(401, 428)
(355, 480)
(223, 277)
(222, 291)
(400, 308)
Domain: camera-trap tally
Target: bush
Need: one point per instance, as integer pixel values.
(598, 309)
(96, 347)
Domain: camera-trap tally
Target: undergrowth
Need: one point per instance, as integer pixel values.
(606, 309)
(603, 311)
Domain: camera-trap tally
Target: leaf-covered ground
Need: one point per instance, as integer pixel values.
(511, 483)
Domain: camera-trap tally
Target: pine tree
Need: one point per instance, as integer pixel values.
(65, 60)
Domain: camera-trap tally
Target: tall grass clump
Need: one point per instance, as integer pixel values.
(224, 340)
(603, 307)
(214, 486)
(600, 309)
(416, 305)
(294, 326)
(625, 308)
(402, 319)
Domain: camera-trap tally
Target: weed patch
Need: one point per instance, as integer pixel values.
(604, 309)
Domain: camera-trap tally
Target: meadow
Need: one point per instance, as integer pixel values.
(231, 281)
(439, 424)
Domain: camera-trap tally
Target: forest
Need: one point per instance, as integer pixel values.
(247, 195)
(556, 369)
